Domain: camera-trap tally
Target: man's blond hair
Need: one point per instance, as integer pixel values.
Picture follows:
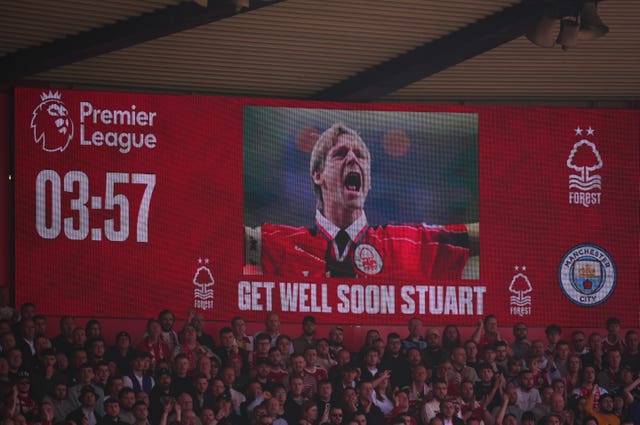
(319, 154)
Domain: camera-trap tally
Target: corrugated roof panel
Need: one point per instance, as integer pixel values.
(607, 68)
(29, 23)
(306, 44)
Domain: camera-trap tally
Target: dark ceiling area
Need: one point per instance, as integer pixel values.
(414, 51)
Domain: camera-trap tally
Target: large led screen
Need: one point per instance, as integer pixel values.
(358, 213)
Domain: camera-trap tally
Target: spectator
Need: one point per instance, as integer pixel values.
(430, 409)
(324, 399)
(112, 414)
(180, 380)
(433, 354)
(579, 343)
(120, 352)
(369, 369)
(558, 369)
(196, 319)
(272, 328)
(594, 356)
(336, 340)
(86, 412)
(450, 339)
(521, 344)
(239, 329)
(284, 344)
(169, 335)
(459, 363)
(262, 372)
(343, 357)
(26, 343)
(609, 377)
(487, 331)
(126, 400)
(471, 348)
(487, 387)
(572, 379)
(153, 343)
(137, 379)
(208, 366)
(237, 397)
(371, 336)
(604, 414)
(295, 399)
(553, 333)
(312, 368)
(613, 339)
(528, 396)
(277, 373)
(418, 391)
(190, 347)
(365, 403)
(324, 354)
(85, 379)
(229, 347)
(509, 399)
(64, 341)
(96, 350)
(308, 337)
(141, 413)
(631, 354)
(382, 396)
(448, 413)
(395, 361)
(310, 384)
(414, 339)
(79, 338)
(57, 398)
(101, 374)
(262, 344)
(93, 329)
(588, 384)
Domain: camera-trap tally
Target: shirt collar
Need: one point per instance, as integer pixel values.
(332, 230)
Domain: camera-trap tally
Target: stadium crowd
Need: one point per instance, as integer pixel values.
(172, 375)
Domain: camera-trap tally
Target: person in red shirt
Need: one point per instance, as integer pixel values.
(613, 340)
(342, 243)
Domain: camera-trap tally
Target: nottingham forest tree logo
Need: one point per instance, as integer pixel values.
(203, 281)
(520, 286)
(584, 187)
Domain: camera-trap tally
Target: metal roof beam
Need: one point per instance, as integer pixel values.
(449, 50)
(134, 30)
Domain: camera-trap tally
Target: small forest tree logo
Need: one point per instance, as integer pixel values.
(203, 281)
(520, 303)
(584, 187)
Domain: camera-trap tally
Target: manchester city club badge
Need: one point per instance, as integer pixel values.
(367, 259)
(587, 275)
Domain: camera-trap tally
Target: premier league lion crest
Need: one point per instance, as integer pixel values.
(587, 275)
(51, 123)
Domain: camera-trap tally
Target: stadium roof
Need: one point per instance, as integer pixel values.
(426, 51)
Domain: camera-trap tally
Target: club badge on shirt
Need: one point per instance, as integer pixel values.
(367, 259)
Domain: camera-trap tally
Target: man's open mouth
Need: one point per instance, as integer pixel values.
(353, 181)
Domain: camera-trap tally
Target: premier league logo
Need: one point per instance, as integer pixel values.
(51, 123)
(587, 275)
